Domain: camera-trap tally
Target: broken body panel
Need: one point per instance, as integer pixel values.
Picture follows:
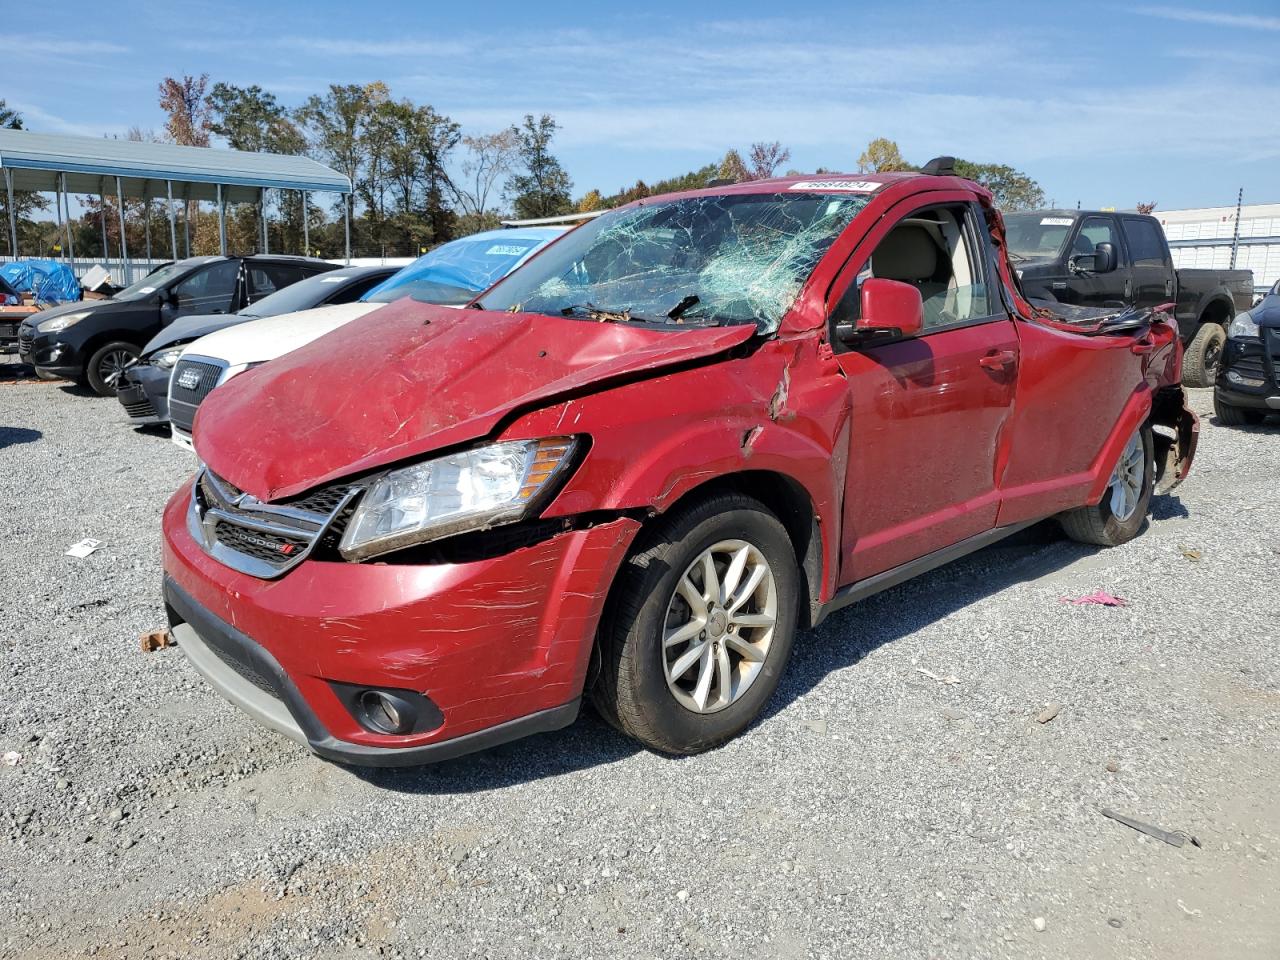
(876, 458)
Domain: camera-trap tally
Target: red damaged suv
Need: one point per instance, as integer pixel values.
(638, 465)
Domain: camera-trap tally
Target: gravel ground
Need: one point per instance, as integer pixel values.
(873, 812)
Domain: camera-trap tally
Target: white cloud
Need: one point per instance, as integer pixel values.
(377, 48)
(1213, 17)
(34, 117)
(30, 46)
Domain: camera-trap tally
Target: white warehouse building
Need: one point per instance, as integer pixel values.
(1206, 237)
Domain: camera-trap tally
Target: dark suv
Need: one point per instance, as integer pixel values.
(93, 341)
(1248, 386)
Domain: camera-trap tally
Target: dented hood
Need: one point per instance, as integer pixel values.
(413, 378)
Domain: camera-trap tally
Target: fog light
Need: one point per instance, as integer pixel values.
(385, 712)
(1242, 380)
(390, 710)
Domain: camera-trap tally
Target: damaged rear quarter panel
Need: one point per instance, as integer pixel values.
(780, 409)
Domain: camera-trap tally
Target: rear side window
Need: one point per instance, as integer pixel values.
(1144, 243)
(354, 291)
(267, 278)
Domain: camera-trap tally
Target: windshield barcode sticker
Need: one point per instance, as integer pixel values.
(856, 186)
(505, 250)
(1056, 222)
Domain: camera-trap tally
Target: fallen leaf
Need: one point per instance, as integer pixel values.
(1100, 598)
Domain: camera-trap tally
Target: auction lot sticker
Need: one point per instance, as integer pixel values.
(823, 186)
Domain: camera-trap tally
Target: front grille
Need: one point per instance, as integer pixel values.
(272, 548)
(140, 408)
(322, 501)
(26, 342)
(203, 376)
(262, 539)
(190, 382)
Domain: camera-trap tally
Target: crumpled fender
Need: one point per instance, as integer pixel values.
(781, 410)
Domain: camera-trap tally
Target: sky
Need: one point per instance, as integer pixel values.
(1105, 104)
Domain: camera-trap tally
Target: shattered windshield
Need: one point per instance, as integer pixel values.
(1036, 236)
(700, 260)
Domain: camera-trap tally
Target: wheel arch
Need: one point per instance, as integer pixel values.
(792, 504)
(97, 341)
(1217, 307)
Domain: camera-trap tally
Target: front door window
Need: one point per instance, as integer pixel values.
(211, 289)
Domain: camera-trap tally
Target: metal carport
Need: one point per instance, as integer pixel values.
(63, 164)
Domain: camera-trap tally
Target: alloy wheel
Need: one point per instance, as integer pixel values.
(1127, 478)
(719, 626)
(112, 365)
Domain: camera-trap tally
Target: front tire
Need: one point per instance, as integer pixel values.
(700, 626)
(1123, 509)
(1204, 355)
(107, 365)
(1232, 416)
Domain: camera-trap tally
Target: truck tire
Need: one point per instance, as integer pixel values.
(107, 363)
(699, 626)
(1233, 416)
(1204, 355)
(1123, 509)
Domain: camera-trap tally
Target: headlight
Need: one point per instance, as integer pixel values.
(55, 324)
(1243, 326)
(165, 359)
(469, 490)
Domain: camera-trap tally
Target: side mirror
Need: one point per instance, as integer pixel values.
(1104, 258)
(890, 308)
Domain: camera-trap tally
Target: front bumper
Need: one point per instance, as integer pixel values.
(1262, 400)
(500, 646)
(144, 394)
(50, 355)
(1256, 362)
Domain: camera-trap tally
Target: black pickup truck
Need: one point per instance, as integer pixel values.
(1106, 259)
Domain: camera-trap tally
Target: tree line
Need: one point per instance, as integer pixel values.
(418, 179)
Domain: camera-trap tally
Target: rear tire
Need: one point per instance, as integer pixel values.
(1233, 416)
(107, 364)
(685, 666)
(1204, 355)
(1123, 509)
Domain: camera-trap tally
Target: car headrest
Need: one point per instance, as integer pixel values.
(907, 254)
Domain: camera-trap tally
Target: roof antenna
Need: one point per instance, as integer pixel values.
(940, 167)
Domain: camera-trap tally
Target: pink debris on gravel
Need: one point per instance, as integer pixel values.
(1101, 598)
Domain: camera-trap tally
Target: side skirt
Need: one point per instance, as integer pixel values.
(861, 589)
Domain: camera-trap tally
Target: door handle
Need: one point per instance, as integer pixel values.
(998, 359)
